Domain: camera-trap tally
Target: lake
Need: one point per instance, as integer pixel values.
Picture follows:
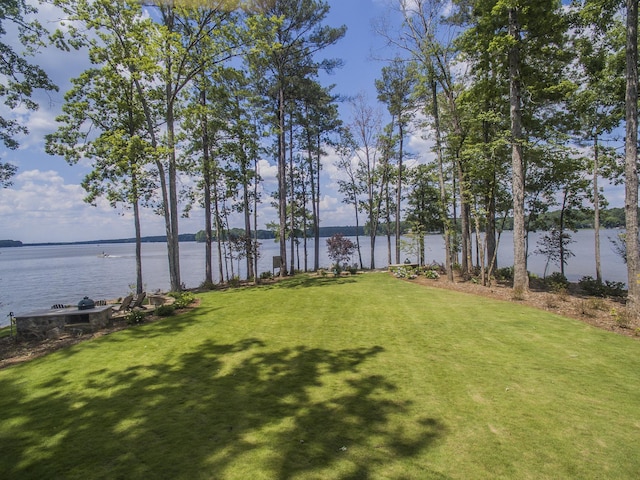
(36, 277)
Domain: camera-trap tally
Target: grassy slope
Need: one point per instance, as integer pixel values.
(326, 378)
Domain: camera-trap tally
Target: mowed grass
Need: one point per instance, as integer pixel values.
(361, 377)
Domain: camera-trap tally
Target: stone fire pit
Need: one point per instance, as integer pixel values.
(54, 322)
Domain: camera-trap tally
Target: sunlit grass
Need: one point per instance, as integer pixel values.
(357, 377)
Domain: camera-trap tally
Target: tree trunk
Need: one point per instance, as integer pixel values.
(561, 231)
(465, 224)
(448, 257)
(292, 213)
(219, 233)
(255, 221)
(173, 234)
(316, 215)
(136, 221)
(631, 160)
(282, 184)
(388, 221)
(206, 173)
(399, 188)
(520, 276)
(596, 208)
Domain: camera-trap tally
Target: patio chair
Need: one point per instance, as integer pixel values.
(125, 305)
(137, 303)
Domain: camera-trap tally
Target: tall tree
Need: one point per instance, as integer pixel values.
(350, 188)
(427, 40)
(366, 131)
(423, 213)
(395, 90)
(318, 117)
(527, 41)
(597, 105)
(102, 121)
(631, 159)
(298, 38)
(20, 78)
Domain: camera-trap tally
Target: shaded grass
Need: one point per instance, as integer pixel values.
(365, 377)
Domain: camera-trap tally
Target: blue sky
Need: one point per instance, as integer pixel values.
(45, 203)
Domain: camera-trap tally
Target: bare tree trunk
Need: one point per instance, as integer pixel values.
(173, 246)
(388, 221)
(596, 207)
(631, 160)
(448, 260)
(520, 276)
(136, 221)
(292, 213)
(206, 173)
(255, 221)
(219, 233)
(399, 188)
(465, 224)
(282, 184)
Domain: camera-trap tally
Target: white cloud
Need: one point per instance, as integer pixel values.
(42, 207)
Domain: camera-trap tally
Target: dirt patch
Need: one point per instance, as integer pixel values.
(605, 313)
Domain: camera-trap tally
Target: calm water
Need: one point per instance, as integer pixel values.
(32, 278)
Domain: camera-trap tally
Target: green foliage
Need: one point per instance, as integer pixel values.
(206, 285)
(136, 317)
(405, 272)
(165, 310)
(504, 273)
(432, 274)
(556, 282)
(182, 299)
(592, 287)
(266, 275)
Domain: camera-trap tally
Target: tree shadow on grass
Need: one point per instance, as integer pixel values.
(220, 411)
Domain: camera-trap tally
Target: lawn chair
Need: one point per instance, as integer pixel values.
(125, 305)
(137, 303)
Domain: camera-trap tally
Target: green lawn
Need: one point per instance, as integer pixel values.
(361, 377)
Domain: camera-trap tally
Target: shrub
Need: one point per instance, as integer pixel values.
(593, 288)
(504, 273)
(206, 285)
(165, 310)
(136, 317)
(405, 272)
(266, 275)
(621, 317)
(432, 274)
(340, 249)
(183, 299)
(615, 289)
(556, 282)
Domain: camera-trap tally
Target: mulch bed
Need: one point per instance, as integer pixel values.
(604, 313)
